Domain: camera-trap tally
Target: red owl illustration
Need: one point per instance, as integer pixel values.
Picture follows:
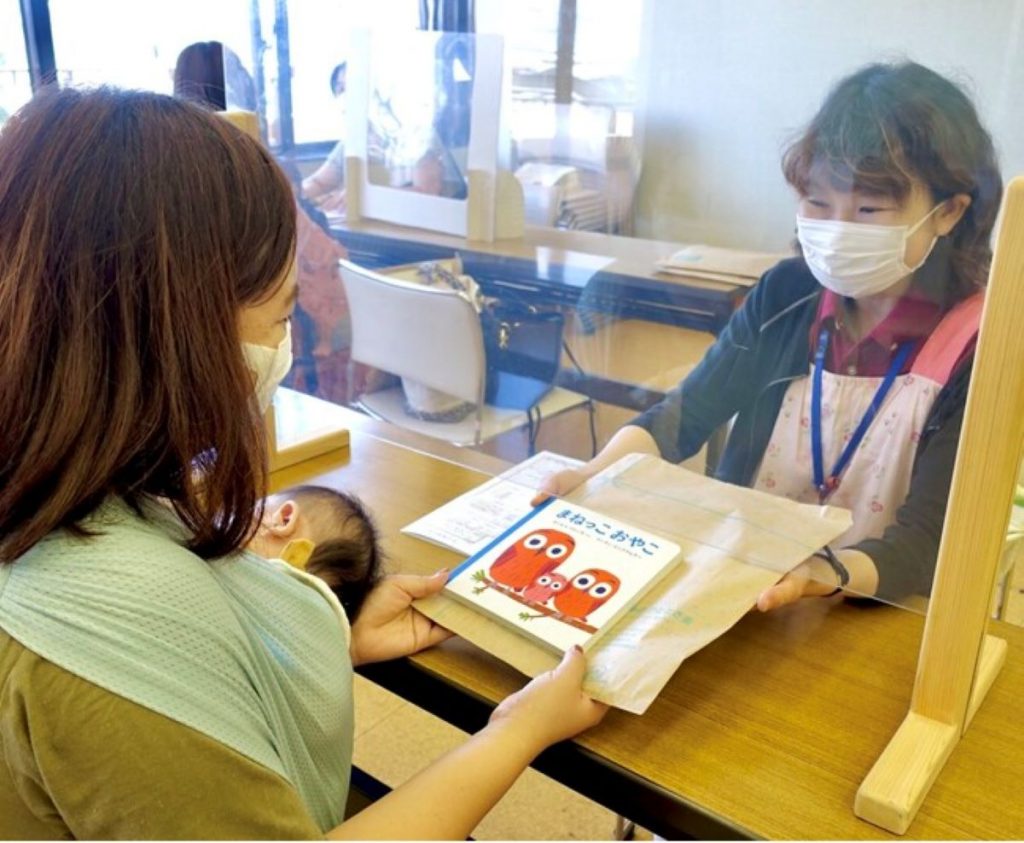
(532, 556)
(545, 587)
(588, 591)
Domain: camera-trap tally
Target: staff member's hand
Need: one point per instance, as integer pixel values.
(559, 484)
(389, 627)
(812, 578)
(336, 201)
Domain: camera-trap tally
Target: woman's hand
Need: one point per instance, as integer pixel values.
(335, 201)
(560, 484)
(388, 626)
(552, 707)
(811, 578)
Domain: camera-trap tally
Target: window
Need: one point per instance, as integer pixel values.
(572, 66)
(136, 45)
(15, 86)
(319, 36)
(599, 59)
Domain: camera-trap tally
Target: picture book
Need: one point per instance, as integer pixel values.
(564, 574)
(470, 522)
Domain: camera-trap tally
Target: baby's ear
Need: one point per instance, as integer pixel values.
(284, 519)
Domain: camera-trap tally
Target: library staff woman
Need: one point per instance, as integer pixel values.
(846, 368)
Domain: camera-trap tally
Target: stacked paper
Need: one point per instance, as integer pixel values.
(717, 264)
(583, 210)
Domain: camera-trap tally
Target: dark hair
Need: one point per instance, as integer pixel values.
(350, 563)
(209, 73)
(888, 124)
(339, 71)
(133, 228)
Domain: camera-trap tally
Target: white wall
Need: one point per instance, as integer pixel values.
(724, 84)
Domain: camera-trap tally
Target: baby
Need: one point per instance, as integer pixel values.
(345, 552)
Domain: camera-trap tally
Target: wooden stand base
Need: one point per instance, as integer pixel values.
(308, 449)
(993, 655)
(903, 774)
(316, 444)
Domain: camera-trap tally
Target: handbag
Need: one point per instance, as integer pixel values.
(523, 346)
(424, 402)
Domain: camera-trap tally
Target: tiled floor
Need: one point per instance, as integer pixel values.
(394, 740)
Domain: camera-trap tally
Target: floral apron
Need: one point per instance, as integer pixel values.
(876, 480)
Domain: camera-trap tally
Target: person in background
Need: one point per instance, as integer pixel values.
(428, 174)
(339, 79)
(326, 186)
(208, 72)
(322, 332)
(845, 371)
(345, 543)
(157, 680)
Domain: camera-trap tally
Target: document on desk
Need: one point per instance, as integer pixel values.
(471, 521)
(717, 264)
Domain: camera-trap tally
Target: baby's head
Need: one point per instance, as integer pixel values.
(345, 554)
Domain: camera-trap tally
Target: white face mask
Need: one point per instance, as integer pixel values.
(858, 259)
(269, 366)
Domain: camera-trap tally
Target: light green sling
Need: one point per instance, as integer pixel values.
(246, 650)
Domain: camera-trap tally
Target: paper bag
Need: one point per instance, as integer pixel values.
(736, 542)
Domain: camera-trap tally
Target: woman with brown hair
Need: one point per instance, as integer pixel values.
(845, 372)
(157, 681)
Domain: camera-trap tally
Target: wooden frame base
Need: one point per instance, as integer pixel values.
(958, 660)
(893, 791)
(304, 449)
(993, 656)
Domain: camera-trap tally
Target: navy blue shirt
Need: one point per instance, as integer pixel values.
(746, 374)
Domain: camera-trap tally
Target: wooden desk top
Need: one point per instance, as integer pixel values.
(770, 729)
(632, 256)
(617, 274)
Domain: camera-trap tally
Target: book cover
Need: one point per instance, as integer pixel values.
(469, 523)
(564, 574)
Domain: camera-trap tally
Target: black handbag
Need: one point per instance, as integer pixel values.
(523, 345)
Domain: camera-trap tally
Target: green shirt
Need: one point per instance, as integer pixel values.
(82, 762)
(124, 651)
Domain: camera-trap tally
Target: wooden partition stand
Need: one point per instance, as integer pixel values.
(958, 660)
(316, 444)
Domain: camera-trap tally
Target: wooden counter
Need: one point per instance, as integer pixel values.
(767, 732)
(606, 274)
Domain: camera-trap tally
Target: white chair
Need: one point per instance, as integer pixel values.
(433, 336)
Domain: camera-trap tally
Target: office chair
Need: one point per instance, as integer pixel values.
(431, 335)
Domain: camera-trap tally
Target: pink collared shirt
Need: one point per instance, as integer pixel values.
(913, 319)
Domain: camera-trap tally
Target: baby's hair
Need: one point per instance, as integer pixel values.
(349, 559)
(888, 124)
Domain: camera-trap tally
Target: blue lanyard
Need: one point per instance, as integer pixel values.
(827, 485)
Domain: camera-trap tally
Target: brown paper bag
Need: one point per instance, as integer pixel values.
(735, 541)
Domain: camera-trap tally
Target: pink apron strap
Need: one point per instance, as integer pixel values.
(955, 333)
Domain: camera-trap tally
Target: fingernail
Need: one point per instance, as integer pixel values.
(441, 571)
(578, 648)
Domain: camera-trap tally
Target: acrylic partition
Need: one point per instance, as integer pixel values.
(662, 248)
(422, 130)
(605, 327)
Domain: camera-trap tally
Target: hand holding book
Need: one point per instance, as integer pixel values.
(552, 707)
(388, 626)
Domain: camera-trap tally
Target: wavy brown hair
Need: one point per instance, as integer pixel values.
(887, 124)
(133, 228)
